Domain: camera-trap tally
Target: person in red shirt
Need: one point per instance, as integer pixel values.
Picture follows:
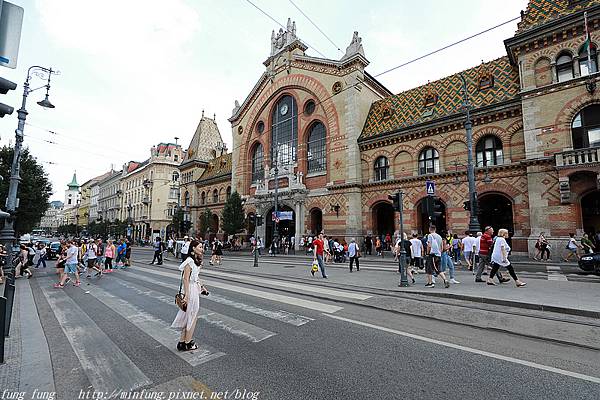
(485, 253)
(319, 249)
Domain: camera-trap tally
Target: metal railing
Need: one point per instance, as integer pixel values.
(573, 158)
(6, 302)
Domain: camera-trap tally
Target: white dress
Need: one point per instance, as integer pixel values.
(187, 318)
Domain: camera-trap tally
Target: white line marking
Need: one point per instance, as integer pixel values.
(105, 365)
(279, 315)
(554, 274)
(236, 327)
(472, 350)
(155, 328)
(294, 301)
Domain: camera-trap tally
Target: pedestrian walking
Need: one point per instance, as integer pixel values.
(42, 255)
(318, 251)
(353, 254)
(61, 260)
(543, 248)
(327, 250)
(109, 255)
(416, 252)
(185, 320)
(22, 267)
(71, 262)
(158, 250)
(100, 254)
(171, 246)
(572, 247)
(586, 244)
(500, 259)
(127, 253)
(486, 245)
(121, 251)
(378, 247)
(468, 246)
(456, 245)
(405, 244)
(434, 252)
(368, 244)
(92, 254)
(185, 248)
(446, 262)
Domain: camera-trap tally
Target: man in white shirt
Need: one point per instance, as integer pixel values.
(432, 265)
(185, 248)
(416, 251)
(468, 245)
(70, 265)
(353, 254)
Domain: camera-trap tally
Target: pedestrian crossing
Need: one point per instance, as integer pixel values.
(140, 297)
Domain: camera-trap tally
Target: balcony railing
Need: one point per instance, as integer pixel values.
(146, 200)
(574, 158)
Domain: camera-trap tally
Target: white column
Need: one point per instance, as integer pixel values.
(299, 225)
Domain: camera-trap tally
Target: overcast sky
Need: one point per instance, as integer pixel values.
(138, 72)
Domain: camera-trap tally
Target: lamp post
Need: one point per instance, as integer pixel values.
(473, 221)
(7, 234)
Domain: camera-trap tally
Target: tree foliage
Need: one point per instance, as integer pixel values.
(233, 215)
(34, 189)
(205, 221)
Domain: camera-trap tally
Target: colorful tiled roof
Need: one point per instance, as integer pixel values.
(220, 166)
(541, 11)
(409, 108)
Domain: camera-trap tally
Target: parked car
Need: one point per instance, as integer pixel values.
(53, 250)
(590, 262)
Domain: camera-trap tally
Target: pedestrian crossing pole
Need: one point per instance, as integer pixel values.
(402, 261)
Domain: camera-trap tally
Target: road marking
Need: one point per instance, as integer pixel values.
(531, 364)
(155, 328)
(105, 365)
(236, 327)
(294, 301)
(300, 286)
(554, 274)
(279, 315)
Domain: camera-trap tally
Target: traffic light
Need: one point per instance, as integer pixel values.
(429, 206)
(395, 198)
(467, 205)
(252, 219)
(259, 220)
(437, 208)
(5, 86)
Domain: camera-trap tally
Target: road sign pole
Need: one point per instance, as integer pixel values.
(402, 261)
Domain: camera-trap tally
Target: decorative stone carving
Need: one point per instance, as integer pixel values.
(236, 108)
(564, 187)
(355, 47)
(283, 38)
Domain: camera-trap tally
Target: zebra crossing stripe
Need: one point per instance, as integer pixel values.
(554, 274)
(294, 301)
(155, 328)
(236, 327)
(105, 365)
(279, 315)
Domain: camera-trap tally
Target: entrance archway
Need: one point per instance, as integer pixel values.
(496, 210)
(214, 226)
(285, 227)
(316, 221)
(383, 217)
(590, 212)
(250, 225)
(424, 221)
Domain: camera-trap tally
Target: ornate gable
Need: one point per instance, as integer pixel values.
(205, 141)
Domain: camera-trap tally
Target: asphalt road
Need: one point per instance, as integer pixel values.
(112, 334)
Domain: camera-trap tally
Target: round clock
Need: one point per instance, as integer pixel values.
(284, 109)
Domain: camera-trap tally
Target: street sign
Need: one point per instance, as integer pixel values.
(11, 22)
(430, 188)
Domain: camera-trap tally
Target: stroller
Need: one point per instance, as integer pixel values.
(338, 255)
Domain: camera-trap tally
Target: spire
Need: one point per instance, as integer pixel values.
(74, 184)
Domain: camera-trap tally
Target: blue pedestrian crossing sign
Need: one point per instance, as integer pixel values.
(430, 188)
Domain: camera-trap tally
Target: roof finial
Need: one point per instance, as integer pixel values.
(203, 113)
(215, 116)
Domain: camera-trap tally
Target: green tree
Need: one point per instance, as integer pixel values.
(178, 216)
(205, 220)
(233, 215)
(34, 189)
(67, 229)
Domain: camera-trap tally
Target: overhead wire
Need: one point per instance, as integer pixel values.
(316, 26)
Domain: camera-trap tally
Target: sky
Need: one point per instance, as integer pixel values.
(134, 73)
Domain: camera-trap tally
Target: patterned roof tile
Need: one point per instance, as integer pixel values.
(409, 108)
(541, 11)
(219, 166)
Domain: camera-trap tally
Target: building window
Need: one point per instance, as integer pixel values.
(284, 131)
(316, 154)
(203, 198)
(382, 167)
(564, 67)
(586, 128)
(260, 127)
(429, 161)
(187, 199)
(489, 151)
(309, 107)
(583, 61)
(175, 176)
(173, 193)
(215, 196)
(176, 157)
(258, 171)
(228, 192)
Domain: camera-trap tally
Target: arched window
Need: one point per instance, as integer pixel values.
(382, 168)
(215, 196)
(585, 128)
(258, 172)
(175, 176)
(429, 161)
(284, 131)
(489, 151)
(583, 61)
(203, 198)
(564, 67)
(316, 153)
(228, 192)
(186, 201)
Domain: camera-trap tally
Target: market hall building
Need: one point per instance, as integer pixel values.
(343, 142)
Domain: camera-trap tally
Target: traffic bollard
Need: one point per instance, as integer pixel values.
(255, 257)
(9, 294)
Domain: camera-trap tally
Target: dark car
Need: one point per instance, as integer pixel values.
(53, 250)
(590, 262)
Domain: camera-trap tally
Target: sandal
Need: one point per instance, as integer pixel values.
(491, 283)
(181, 346)
(58, 286)
(191, 346)
(522, 284)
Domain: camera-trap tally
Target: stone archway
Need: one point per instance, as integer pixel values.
(316, 221)
(423, 221)
(590, 212)
(496, 210)
(383, 217)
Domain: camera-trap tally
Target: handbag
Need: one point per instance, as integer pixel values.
(315, 266)
(179, 297)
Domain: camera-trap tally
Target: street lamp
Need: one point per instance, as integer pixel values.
(7, 234)
(473, 221)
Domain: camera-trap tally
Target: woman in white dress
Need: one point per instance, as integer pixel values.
(186, 321)
(500, 259)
